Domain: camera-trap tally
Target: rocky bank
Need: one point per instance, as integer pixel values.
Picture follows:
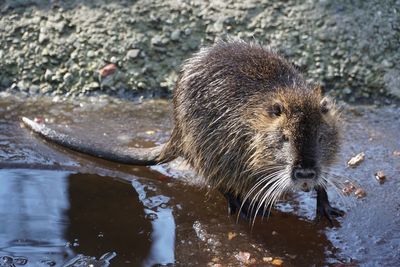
(61, 47)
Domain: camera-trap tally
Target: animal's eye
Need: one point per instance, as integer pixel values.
(320, 139)
(325, 105)
(276, 109)
(285, 138)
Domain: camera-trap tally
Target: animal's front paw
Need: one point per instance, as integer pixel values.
(324, 208)
(328, 212)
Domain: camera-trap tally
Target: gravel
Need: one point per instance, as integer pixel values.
(58, 47)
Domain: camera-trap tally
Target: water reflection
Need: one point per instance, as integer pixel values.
(163, 235)
(52, 217)
(33, 218)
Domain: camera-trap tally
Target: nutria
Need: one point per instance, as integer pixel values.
(248, 123)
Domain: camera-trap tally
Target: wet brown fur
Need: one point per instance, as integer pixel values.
(248, 123)
(225, 125)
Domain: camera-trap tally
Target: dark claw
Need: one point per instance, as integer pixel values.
(235, 204)
(324, 208)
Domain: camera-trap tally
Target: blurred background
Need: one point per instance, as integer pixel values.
(121, 47)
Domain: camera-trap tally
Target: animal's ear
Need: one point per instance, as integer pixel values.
(326, 104)
(276, 109)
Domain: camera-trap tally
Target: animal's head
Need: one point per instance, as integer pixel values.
(295, 137)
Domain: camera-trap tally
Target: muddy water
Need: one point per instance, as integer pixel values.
(61, 208)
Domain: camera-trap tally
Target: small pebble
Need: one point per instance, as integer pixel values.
(175, 35)
(133, 53)
(113, 60)
(243, 256)
(349, 188)
(267, 259)
(91, 54)
(356, 160)
(380, 176)
(360, 193)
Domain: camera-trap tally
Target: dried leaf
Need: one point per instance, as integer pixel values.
(108, 70)
(277, 262)
(231, 235)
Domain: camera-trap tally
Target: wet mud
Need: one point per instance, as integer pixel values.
(62, 208)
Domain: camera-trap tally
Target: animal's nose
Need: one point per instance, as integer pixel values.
(301, 173)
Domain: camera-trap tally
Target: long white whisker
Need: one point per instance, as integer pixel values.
(265, 186)
(283, 184)
(268, 195)
(282, 188)
(259, 183)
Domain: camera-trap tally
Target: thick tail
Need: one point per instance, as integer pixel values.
(134, 156)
